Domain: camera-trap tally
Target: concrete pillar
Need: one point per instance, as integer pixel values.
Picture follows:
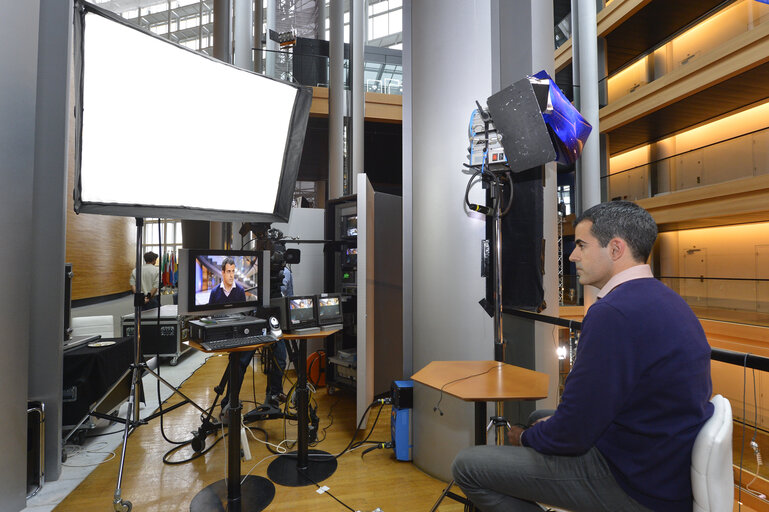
(357, 43)
(49, 221)
(336, 100)
(271, 47)
(441, 244)
(223, 30)
(18, 83)
(243, 23)
(408, 197)
(258, 34)
(320, 19)
(588, 83)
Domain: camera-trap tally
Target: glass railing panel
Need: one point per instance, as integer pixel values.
(728, 23)
(736, 300)
(739, 157)
(382, 74)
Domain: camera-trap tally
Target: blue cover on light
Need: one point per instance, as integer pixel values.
(568, 129)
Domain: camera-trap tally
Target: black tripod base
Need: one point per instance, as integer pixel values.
(256, 493)
(266, 412)
(284, 469)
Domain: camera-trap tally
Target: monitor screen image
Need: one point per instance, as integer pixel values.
(301, 310)
(329, 307)
(225, 279)
(218, 279)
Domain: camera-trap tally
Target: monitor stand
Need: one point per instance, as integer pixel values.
(306, 330)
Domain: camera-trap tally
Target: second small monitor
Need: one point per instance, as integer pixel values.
(330, 310)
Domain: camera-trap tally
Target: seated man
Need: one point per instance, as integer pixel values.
(636, 398)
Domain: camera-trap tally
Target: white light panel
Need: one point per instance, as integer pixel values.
(165, 127)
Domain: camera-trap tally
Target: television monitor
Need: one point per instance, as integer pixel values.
(301, 312)
(218, 281)
(329, 309)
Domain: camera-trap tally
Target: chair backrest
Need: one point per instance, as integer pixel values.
(712, 475)
(88, 325)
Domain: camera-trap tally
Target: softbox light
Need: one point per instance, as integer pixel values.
(163, 131)
(537, 124)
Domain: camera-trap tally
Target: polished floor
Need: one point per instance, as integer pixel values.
(360, 482)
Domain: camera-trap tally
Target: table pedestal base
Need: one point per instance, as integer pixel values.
(256, 493)
(285, 471)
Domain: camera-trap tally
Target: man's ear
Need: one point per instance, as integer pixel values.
(617, 248)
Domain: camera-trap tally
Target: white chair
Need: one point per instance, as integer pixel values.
(712, 476)
(103, 325)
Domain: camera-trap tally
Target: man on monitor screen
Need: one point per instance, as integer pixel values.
(228, 290)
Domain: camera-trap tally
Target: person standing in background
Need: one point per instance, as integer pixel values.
(149, 281)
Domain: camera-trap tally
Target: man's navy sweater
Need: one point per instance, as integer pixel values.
(237, 294)
(639, 391)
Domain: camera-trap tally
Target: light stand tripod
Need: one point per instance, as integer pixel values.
(139, 366)
(493, 176)
(496, 189)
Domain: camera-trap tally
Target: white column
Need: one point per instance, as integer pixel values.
(446, 239)
(357, 42)
(336, 100)
(408, 197)
(271, 46)
(588, 85)
(49, 221)
(244, 19)
(542, 57)
(19, 25)
(223, 30)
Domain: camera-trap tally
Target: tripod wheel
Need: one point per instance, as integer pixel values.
(198, 442)
(123, 506)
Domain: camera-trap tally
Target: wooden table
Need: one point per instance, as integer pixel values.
(256, 492)
(296, 469)
(481, 382)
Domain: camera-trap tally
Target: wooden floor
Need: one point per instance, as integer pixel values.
(376, 480)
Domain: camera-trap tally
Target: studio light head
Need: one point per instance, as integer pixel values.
(535, 123)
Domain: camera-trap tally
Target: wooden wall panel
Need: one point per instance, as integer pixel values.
(101, 248)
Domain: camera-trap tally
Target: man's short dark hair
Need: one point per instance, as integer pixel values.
(150, 257)
(625, 220)
(227, 261)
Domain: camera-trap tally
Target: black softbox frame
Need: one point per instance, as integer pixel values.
(291, 154)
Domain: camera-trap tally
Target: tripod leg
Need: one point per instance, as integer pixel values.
(443, 495)
(118, 503)
(175, 390)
